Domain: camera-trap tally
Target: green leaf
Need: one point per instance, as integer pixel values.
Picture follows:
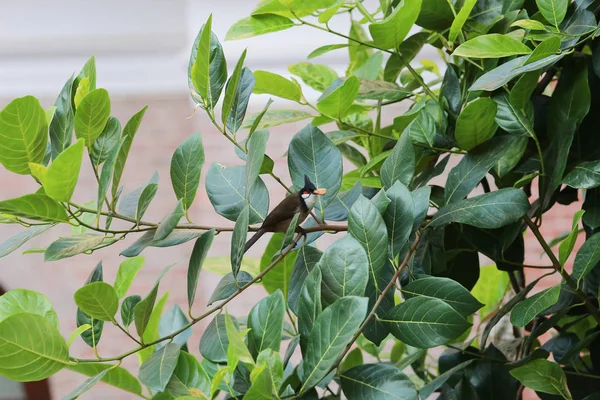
(128, 307)
(317, 76)
(229, 285)
(256, 146)
(491, 210)
(171, 322)
(62, 175)
(31, 348)
(279, 277)
(425, 322)
(266, 323)
(23, 134)
(197, 258)
(332, 331)
(174, 239)
(237, 349)
(143, 310)
(399, 217)
(128, 133)
(91, 116)
(326, 15)
(463, 178)
(311, 153)
(85, 386)
(19, 301)
(389, 33)
(106, 142)
(71, 246)
(345, 270)
(169, 222)
(238, 241)
(543, 376)
(189, 374)
(587, 257)
(548, 47)
(512, 119)
(422, 129)
(186, 166)
(156, 372)
(209, 70)
(307, 258)
(529, 24)
(448, 290)
(231, 89)
(476, 123)
(82, 89)
(553, 11)
(353, 359)
(525, 311)
(225, 186)
(240, 101)
(567, 245)
(337, 100)
(106, 175)
(118, 377)
(98, 300)
(460, 20)
(309, 305)
(490, 288)
(276, 85)
(326, 49)
(256, 25)
(92, 336)
(522, 90)
(61, 126)
(152, 329)
(34, 206)
(380, 90)
(584, 176)
(491, 46)
(377, 381)
(438, 382)
(135, 203)
(273, 118)
(214, 341)
(21, 238)
(400, 165)
(126, 274)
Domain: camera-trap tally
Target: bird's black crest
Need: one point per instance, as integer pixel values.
(308, 184)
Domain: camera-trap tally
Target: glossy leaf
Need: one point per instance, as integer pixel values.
(36, 207)
(587, 257)
(171, 322)
(399, 217)
(147, 239)
(584, 176)
(491, 46)
(543, 376)
(276, 85)
(266, 323)
(106, 175)
(512, 119)
(118, 377)
(307, 258)
(566, 246)
(279, 277)
(237, 350)
(255, 25)
(525, 311)
(460, 20)
(377, 381)
(238, 241)
(151, 332)
(422, 129)
(135, 203)
(256, 146)
(214, 341)
(107, 140)
(71, 246)
(325, 49)
(18, 240)
(553, 11)
(228, 285)
(389, 33)
(91, 116)
(548, 47)
(186, 166)
(156, 372)
(85, 386)
(169, 222)
(231, 89)
(144, 309)
(317, 76)
(476, 123)
(126, 274)
(19, 301)
(448, 290)
(197, 258)
(98, 300)
(92, 336)
(240, 101)
(128, 307)
(400, 165)
(61, 125)
(337, 99)
(309, 305)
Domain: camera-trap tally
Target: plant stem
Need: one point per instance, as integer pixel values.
(126, 332)
(559, 268)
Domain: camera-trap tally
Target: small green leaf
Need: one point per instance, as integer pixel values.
(19, 301)
(438, 382)
(530, 24)
(548, 47)
(543, 376)
(106, 175)
(256, 146)
(525, 311)
(238, 241)
(317, 76)
(21, 238)
(567, 245)
(143, 310)
(325, 49)
(135, 203)
(337, 100)
(255, 25)
(240, 101)
(273, 118)
(186, 167)
(377, 381)
(587, 257)
(71, 246)
(214, 341)
(476, 123)
(444, 289)
(584, 176)
(266, 323)
(156, 372)
(460, 20)
(400, 165)
(399, 217)
(77, 333)
(61, 126)
(197, 258)
(380, 90)
(231, 89)
(151, 333)
(126, 274)
(127, 309)
(118, 377)
(91, 337)
(425, 322)
(24, 133)
(326, 15)
(91, 116)
(171, 322)
(389, 33)
(490, 288)
(309, 305)
(229, 285)
(491, 46)
(85, 386)
(279, 277)
(169, 222)
(106, 141)
(237, 348)
(276, 85)
(98, 300)
(521, 92)
(553, 11)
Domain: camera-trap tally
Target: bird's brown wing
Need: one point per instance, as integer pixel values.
(283, 211)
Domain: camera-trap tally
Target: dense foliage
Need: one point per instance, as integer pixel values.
(359, 318)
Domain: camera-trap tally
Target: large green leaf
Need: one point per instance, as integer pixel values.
(36, 207)
(118, 377)
(445, 289)
(525, 311)
(238, 241)
(128, 134)
(156, 372)
(309, 305)
(16, 241)
(553, 11)
(255, 25)
(62, 175)
(337, 100)
(587, 257)
(197, 258)
(317, 76)
(61, 126)
(229, 285)
(23, 134)
(126, 274)
(512, 119)
(226, 187)
(169, 222)
(389, 33)
(19, 301)
(425, 322)
(377, 381)
(189, 374)
(276, 85)
(240, 101)
(399, 217)
(400, 165)
(546, 48)
(476, 123)
(98, 300)
(463, 178)
(460, 19)
(91, 116)
(71, 246)
(279, 277)
(422, 129)
(266, 323)
(31, 348)
(106, 141)
(311, 153)
(491, 210)
(491, 46)
(273, 118)
(171, 322)
(345, 270)
(543, 376)
(135, 203)
(209, 70)
(584, 176)
(214, 341)
(186, 166)
(332, 331)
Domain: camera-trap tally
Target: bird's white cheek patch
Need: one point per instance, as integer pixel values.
(310, 201)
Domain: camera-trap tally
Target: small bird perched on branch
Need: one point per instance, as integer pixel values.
(280, 218)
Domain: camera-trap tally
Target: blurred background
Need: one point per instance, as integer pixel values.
(142, 49)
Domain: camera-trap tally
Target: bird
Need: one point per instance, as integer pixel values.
(280, 218)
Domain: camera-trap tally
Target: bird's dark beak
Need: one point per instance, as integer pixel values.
(320, 192)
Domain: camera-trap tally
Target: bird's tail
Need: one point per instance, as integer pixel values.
(253, 239)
